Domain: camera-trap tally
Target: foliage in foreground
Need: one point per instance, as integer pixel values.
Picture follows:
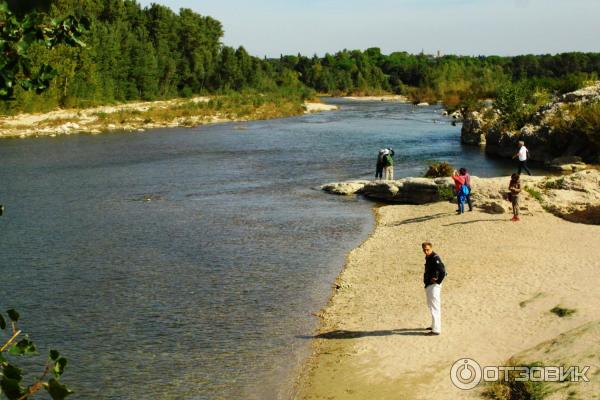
(17, 35)
(15, 344)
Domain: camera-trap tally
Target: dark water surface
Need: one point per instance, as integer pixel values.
(185, 263)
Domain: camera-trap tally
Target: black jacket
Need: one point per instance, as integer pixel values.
(434, 268)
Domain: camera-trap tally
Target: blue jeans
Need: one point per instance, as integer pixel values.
(461, 203)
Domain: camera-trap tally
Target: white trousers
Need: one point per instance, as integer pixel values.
(434, 303)
(388, 173)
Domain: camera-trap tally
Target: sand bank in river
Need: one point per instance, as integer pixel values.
(135, 117)
(503, 279)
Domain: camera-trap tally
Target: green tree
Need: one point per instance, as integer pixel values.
(18, 34)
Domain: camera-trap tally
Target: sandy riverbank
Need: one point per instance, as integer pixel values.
(503, 280)
(391, 97)
(139, 116)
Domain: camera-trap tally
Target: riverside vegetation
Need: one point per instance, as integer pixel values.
(552, 126)
(153, 53)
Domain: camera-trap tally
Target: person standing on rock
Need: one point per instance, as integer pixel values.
(379, 167)
(388, 164)
(515, 188)
(523, 155)
(463, 172)
(435, 272)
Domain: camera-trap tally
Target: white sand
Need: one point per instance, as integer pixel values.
(503, 278)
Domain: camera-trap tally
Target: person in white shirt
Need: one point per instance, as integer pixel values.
(523, 155)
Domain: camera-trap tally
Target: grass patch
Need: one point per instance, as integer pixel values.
(555, 184)
(507, 388)
(534, 193)
(562, 311)
(56, 122)
(250, 106)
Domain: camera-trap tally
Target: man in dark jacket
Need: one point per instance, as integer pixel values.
(432, 278)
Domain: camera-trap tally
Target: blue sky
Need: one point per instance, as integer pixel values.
(469, 27)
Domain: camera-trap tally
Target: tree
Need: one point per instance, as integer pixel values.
(17, 35)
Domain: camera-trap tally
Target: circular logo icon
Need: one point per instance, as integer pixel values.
(465, 374)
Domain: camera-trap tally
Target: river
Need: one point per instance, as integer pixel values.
(186, 263)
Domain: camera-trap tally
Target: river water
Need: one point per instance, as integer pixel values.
(186, 263)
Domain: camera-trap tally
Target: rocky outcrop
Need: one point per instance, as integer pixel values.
(567, 164)
(574, 197)
(472, 131)
(544, 143)
(488, 193)
(405, 191)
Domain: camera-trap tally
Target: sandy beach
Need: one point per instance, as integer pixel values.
(503, 279)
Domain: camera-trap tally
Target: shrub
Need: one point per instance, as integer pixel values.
(507, 388)
(439, 169)
(562, 311)
(445, 193)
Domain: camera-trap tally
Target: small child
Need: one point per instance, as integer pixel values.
(515, 189)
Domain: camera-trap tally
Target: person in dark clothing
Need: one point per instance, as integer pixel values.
(379, 167)
(435, 272)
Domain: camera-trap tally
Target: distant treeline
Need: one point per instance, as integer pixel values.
(136, 53)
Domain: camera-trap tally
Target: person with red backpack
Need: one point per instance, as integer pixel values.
(462, 190)
(463, 172)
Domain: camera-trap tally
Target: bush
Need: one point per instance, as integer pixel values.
(507, 388)
(562, 311)
(439, 170)
(446, 193)
(577, 120)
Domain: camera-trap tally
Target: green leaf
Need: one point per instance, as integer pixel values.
(57, 390)
(54, 354)
(11, 388)
(12, 372)
(23, 347)
(59, 367)
(13, 315)
(2, 322)
(26, 84)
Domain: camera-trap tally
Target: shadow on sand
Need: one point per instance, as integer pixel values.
(476, 220)
(421, 219)
(342, 334)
